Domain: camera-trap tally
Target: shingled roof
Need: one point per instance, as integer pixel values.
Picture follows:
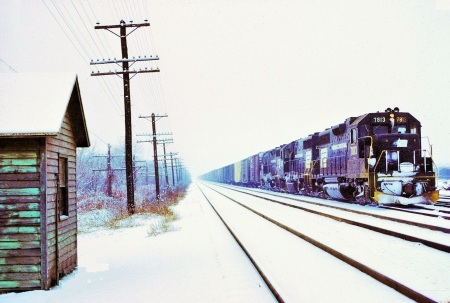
(35, 105)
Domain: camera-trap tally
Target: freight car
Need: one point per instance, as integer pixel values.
(376, 157)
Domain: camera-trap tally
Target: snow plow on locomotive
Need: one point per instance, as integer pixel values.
(376, 157)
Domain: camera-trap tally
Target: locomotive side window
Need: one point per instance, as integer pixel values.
(308, 158)
(353, 136)
(364, 147)
(323, 157)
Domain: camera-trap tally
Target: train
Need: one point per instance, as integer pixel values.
(374, 158)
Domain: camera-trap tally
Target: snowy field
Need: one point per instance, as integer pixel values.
(444, 188)
(197, 261)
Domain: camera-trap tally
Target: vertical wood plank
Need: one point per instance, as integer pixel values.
(43, 208)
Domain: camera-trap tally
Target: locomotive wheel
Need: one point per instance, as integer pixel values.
(362, 200)
(296, 186)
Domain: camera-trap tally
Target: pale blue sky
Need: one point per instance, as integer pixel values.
(238, 77)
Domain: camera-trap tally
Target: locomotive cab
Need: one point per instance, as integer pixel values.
(399, 170)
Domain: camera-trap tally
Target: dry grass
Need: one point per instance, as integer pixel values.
(97, 211)
(163, 225)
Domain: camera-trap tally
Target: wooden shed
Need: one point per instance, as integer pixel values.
(41, 124)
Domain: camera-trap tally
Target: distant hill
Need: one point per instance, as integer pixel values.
(444, 173)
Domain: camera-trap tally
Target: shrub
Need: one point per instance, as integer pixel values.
(99, 211)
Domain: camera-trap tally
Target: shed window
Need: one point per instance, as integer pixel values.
(63, 187)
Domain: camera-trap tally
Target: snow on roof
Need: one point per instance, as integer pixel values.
(34, 104)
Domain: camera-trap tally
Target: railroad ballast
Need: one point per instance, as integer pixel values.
(376, 157)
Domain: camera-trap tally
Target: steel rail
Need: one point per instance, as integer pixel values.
(252, 260)
(418, 224)
(401, 288)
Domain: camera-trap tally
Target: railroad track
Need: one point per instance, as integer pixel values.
(435, 211)
(354, 208)
(444, 200)
(261, 206)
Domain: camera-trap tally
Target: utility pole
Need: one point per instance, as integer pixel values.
(180, 169)
(155, 157)
(109, 171)
(164, 142)
(171, 165)
(127, 101)
(136, 169)
(164, 158)
(155, 150)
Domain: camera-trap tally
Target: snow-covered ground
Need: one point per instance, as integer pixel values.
(444, 186)
(414, 265)
(198, 261)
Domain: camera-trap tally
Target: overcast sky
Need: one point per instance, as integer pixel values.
(239, 77)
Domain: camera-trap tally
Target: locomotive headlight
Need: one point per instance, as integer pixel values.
(391, 115)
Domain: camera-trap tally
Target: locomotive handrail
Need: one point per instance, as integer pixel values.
(429, 145)
(375, 167)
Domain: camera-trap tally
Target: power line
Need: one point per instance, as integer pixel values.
(72, 20)
(127, 99)
(9, 66)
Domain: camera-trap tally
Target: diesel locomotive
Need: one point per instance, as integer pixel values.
(373, 158)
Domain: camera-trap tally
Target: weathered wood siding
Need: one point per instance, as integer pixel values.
(20, 220)
(61, 146)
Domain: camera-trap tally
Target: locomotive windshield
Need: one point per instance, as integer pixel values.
(385, 129)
